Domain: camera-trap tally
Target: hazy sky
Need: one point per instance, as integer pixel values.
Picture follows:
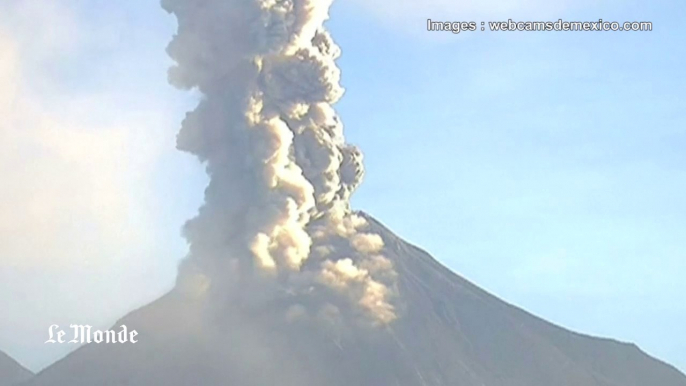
(546, 167)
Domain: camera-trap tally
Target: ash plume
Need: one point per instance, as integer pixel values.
(276, 222)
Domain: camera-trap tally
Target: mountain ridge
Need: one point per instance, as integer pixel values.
(487, 295)
(449, 332)
(11, 371)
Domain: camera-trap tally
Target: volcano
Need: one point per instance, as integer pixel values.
(449, 332)
(11, 372)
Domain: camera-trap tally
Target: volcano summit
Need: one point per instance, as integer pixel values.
(448, 332)
(284, 283)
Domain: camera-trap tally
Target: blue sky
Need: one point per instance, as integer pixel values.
(548, 168)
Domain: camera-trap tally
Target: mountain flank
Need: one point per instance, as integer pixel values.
(450, 332)
(11, 372)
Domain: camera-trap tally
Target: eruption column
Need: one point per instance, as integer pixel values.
(276, 214)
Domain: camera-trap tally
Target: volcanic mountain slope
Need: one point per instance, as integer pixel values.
(11, 372)
(449, 333)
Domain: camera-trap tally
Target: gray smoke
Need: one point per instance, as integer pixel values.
(276, 221)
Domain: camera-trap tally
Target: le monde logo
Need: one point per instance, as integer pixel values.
(82, 334)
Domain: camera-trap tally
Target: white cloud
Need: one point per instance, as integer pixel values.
(46, 28)
(83, 237)
(61, 178)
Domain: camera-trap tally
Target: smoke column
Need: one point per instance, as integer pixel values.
(276, 221)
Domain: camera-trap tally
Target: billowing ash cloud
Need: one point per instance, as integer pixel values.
(276, 220)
